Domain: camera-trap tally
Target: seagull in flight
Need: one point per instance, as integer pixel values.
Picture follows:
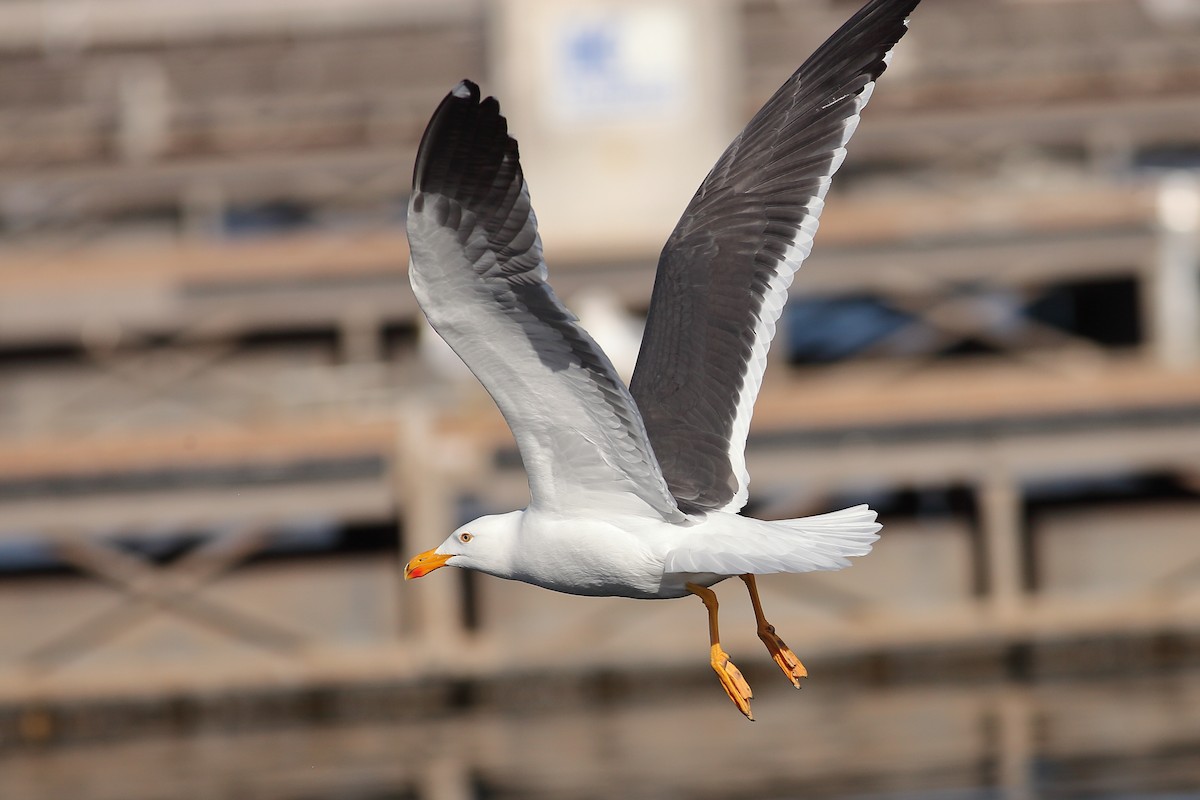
(635, 491)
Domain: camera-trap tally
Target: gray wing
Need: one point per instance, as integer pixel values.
(724, 274)
(478, 274)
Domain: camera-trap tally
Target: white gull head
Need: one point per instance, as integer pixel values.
(485, 545)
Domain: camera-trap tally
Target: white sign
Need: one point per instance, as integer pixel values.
(618, 63)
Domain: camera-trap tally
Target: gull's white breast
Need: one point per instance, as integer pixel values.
(619, 555)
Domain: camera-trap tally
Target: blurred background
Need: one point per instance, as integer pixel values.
(224, 428)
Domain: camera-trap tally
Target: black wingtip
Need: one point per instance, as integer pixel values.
(877, 26)
(855, 55)
(463, 96)
(465, 150)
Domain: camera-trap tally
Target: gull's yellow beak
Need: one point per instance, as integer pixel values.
(424, 564)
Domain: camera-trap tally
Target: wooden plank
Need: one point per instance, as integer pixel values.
(906, 393)
(857, 221)
(789, 401)
(25, 24)
(197, 446)
(168, 513)
(673, 645)
(184, 263)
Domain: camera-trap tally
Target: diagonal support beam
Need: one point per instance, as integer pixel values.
(149, 590)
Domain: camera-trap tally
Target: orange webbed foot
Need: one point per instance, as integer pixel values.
(732, 681)
(788, 663)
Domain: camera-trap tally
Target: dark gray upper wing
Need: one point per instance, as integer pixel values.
(477, 271)
(724, 274)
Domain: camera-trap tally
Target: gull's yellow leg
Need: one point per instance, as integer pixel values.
(731, 678)
(782, 654)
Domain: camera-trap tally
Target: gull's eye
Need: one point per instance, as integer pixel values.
(465, 537)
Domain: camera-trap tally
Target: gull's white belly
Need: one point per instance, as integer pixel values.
(615, 557)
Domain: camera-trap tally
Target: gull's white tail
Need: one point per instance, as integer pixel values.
(807, 544)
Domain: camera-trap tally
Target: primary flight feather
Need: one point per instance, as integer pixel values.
(634, 492)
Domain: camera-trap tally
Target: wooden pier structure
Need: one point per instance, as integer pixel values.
(219, 440)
